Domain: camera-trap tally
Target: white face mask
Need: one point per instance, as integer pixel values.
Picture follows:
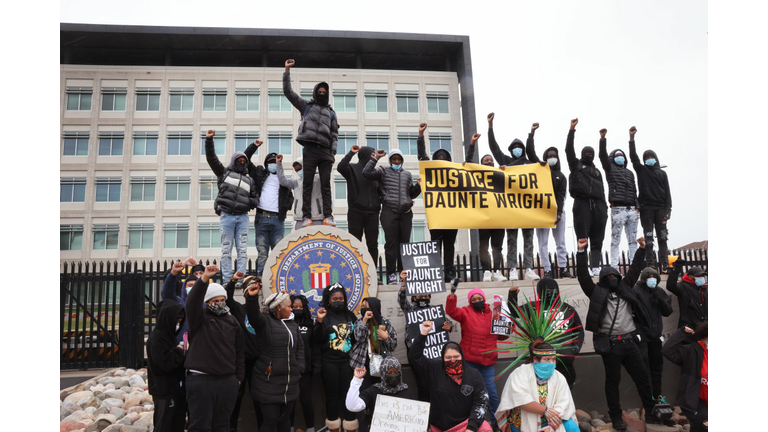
(177, 326)
(552, 161)
(188, 290)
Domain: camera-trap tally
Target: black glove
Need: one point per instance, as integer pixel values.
(454, 284)
(679, 263)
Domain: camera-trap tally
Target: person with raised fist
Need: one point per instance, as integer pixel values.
(318, 135)
(296, 184)
(590, 213)
(237, 196)
(392, 384)
(170, 285)
(396, 185)
(215, 360)
(363, 199)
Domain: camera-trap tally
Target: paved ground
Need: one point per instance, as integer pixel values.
(70, 378)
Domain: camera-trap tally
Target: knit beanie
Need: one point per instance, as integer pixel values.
(215, 290)
(276, 299)
(474, 291)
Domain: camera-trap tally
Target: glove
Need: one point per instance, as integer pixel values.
(679, 263)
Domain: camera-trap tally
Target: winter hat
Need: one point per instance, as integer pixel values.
(276, 299)
(214, 290)
(696, 271)
(474, 291)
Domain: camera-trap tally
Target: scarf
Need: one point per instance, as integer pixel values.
(455, 370)
(386, 364)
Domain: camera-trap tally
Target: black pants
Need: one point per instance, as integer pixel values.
(170, 413)
(625, 354)
(336, 378)
(240, 393)
(422, 380)
(321, 158)
(305, 397)
(650, 218)
(277, 417)
(567, 369)
(589, 219)
(447, 237)
(496, 236)
(397, 229)
(697, 420)
(211, 400)
(654, 362)
(368, 223)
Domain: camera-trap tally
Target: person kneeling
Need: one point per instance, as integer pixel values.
(391, 384)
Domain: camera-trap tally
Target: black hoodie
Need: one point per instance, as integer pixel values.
(451, 403)
(334, 346)
(621, 181)
(422, 150)
(238, 311)
(559, 181)
(165, 360)
(503, 159)
(307, 330)
(586, 181)
(652, 181)
(655, 303)
(362, 194)
(260, 174)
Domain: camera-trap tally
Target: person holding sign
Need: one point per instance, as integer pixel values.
(363, 200)
(458, 400)
(391, 384)
(396, 185)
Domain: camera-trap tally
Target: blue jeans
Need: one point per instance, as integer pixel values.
(489, 374)
(623, 219)
(269, 231)
(234, 232)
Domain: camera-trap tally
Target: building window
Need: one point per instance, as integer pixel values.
(105, 237)
(179, 143)
(418, 231)
(376, 101)
(279, 142)
(79, 98)
(345, 142)
(247, 99)
(382, 240)
(288, 227)
(379, 141)
(72, 190)
(214, 99)
(140, 236)
(143, 189)
(145, 143)
(342, 225)
(76, 143)
(209, 189)
(147, 99)
(252, 235)
(439, 141)
(407, 102)
(113, 99)
(111, 143)
(437, 103)
(182, 99)
(108, 189)
(219, 143)
(406, 142)
(175, 236)
(278, 101)
(244, 139)
(345, 101)
(209, 235)
(177, 188)
(70, 237)
(339, 187)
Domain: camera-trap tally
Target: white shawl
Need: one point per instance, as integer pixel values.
(521, 388)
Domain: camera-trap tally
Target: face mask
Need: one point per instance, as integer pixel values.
(422, 303)
(189, 289)
(363, 310)
(301, 173)
(338, 306)
(651, 282)
(700, 281)
(552, 161)
(454, 369)
(177, 326)
(392, 380)
(517, 152)
(613, 283)
(397, 167)
(587, 159)
(619, 160)
(298, 313)
(322, 99)
(478, 305)
(650, 162)
(220, 308)
(544, 370)
(272, 168)
(239, 166)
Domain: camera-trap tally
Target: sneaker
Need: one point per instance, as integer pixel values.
(548, 274)
(564, 273)
(531, 275)
(306, 222)
(239, 284)
(619, 425)
(329, 221)
(595, 272)
(513, 274)
(498, 277)
(486, 276)
(393, 279)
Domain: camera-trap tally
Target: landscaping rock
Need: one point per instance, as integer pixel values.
(69, 426)
(74, 397)
(112, 402)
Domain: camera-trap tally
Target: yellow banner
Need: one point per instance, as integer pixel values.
(478, 196)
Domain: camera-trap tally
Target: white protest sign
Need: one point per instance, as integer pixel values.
(393, 414)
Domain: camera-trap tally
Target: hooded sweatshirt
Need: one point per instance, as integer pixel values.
(585, 179)
(260, 174)
(396, 186)
(654, 302)
(363, 336)
(296, 183)
(165, 360)
(621, 181)
(169, 292)
(439, 154)
(336, 334)
(237, 194)
(362, 194)
(559, 181)
(501, 158)
(693, 300)
(319, 125)
(652, 181)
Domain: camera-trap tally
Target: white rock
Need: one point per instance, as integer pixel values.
(135, 381)
(112, 402)
(75, 397)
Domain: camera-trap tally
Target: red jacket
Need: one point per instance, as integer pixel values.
(476, 337)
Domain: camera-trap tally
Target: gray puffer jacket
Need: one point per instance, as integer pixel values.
(319, 126)
(296, 183)
(237, 192)
(397, 188)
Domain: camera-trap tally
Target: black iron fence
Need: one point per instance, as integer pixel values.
(108, 309)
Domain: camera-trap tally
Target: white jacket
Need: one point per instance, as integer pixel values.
(295, 183)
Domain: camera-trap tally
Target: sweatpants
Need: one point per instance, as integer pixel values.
(277, 416)
(527, 248)
(317, 158)
(210, 399)
(360, 223)
(496, 236)
(558, 232)
(170, 413)
(589, 219)
(447, 237)
(249, 363)
(397, 229)
(305, 397)
(654, 362)
(625, 354)
(336, 379)
(650, 218)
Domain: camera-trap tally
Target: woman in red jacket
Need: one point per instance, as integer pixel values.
(476, 339)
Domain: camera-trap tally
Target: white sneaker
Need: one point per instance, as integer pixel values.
(486, 276)
(596, 272)
(498, 277)
(531, 275)
(513, 274)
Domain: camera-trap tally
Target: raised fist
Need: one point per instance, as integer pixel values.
(502, 167)
(422, 128)
(426, 327)
(279, 158)
(258, 143)
(355, 149)
(380, 154)
(238, 275)
(447, 325)
(321, 313)
(209, 272)
(368, 316)
(254, 289)
(490, 117)
(210, 133)
(603, 131)
(514, 289)
(641, 242)
(475, 137)
(534, 127)
(360, 372)
(574, 122)
(583, 243)
(632, 131)
(403, 275)
(190, 261)
(177, 268)
(289, 63)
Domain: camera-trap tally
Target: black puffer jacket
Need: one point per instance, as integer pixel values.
(654, 302)
(502, 158)
(237, 194)
(586, 181)
(280, 364)
(621, 181)
(693, 300)
(559, 181)
(397, 187)
(362, 194)
(260, 173)
(237, 310)
(319, 126)
(165, 360)
(683, 350)
(652, 180)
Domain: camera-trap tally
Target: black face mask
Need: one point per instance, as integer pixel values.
(322, 99)
(613, 283)
(298, 313)
(587, 159)
(363, 310)
(422, 303)
(239, 166)
(478, 305)
(338, 306)
(392, 380)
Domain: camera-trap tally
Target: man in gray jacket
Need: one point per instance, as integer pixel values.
(318, 134)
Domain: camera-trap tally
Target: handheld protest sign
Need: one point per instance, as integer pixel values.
(393, 414)
(424, 265)
(500, 322)
(438, 337)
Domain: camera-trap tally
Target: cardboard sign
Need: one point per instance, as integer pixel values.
(393, 414)
(438, 337)
(500, 323)
(424, 265)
